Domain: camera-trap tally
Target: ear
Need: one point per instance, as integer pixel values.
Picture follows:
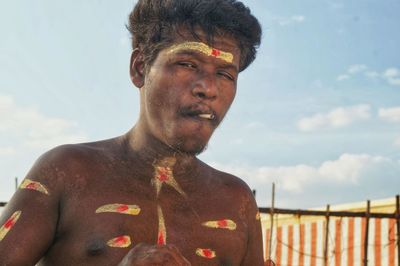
(137, 68)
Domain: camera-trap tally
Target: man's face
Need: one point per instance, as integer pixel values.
(188, 89)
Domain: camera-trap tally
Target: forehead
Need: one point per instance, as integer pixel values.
(222, 47)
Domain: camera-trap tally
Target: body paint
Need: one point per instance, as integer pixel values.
(120, 242)
(206, 253)
(119, 208)
(203, 48)
(33, 185)
(163, 174)
(222, 224)
(9, 224)
(258, 216)
(162, 232)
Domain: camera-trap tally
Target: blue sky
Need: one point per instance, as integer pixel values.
(318, 113)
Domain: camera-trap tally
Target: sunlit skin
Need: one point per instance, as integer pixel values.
(63, 228)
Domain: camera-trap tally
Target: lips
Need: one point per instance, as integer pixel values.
(200, 112)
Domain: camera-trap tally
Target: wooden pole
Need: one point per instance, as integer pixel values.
(365, 259)
(16, 183)
(398, 227)
(326, 238)
(272, 221)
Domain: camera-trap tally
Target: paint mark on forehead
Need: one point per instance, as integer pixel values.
(120, 242)
(119, 208)
(33, 185)
(206, 253)
(221, 224)
(9, 224)
(203, 48)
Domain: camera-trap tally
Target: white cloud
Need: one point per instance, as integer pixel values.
(342, 77)
(348, 169)
(390, 114)
(337, 118)
(32, 129)
(351, 177)
(372, 74)
(284, 21)
(353, 69)
(397, 142)
(7, 151)
(392, 76)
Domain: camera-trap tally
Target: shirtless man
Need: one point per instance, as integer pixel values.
(144, 198)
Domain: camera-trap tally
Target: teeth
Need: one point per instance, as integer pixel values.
(207, 116)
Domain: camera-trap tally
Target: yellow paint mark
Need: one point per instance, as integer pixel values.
(222, 224)
(206, 253)
(163, 174)
(162, 231)
(258, 216)
(33, 185)
(9, 224)
(203, 48)
(120, 242)
(119, 208)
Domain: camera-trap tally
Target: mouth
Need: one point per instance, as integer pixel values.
(201, 113)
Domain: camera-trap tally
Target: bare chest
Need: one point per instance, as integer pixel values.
(102, 222)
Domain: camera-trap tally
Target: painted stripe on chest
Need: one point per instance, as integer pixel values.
(206, 253)
(221, 224)
(119, 208)
(120, 242)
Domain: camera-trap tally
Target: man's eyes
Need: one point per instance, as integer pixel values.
(221, 73)
(187, 64)
(226, 75)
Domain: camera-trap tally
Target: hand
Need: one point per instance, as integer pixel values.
(154, 255)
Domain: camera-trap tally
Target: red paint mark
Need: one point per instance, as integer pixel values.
(121, 240)
(215, 52)
(122, 208)
(208, 253)
(222, 223)
(31, 186)
(9, 223)
(161, 239)
(163, 175)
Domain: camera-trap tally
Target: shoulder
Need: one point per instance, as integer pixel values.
(68, 161)
(235, 183)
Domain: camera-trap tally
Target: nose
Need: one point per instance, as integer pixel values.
(205, 87)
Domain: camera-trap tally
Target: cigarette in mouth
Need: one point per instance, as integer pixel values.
(207, 116)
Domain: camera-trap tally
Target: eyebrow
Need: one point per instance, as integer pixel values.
(195, 53)
(203, 48)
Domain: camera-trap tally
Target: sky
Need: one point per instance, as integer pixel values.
(317, 113)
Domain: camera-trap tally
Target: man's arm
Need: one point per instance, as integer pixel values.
(28, 223)
(254, 252)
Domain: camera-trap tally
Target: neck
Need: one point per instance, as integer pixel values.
(149, 150)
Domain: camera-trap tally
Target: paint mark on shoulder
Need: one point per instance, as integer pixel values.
(119, 208)
(258, 216)
(9, 224)
(33, 185)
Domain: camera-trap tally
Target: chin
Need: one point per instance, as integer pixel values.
(192, 148)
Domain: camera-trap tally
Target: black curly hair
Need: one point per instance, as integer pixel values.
(154, 23)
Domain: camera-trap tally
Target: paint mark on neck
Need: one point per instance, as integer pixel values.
(163, 174)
